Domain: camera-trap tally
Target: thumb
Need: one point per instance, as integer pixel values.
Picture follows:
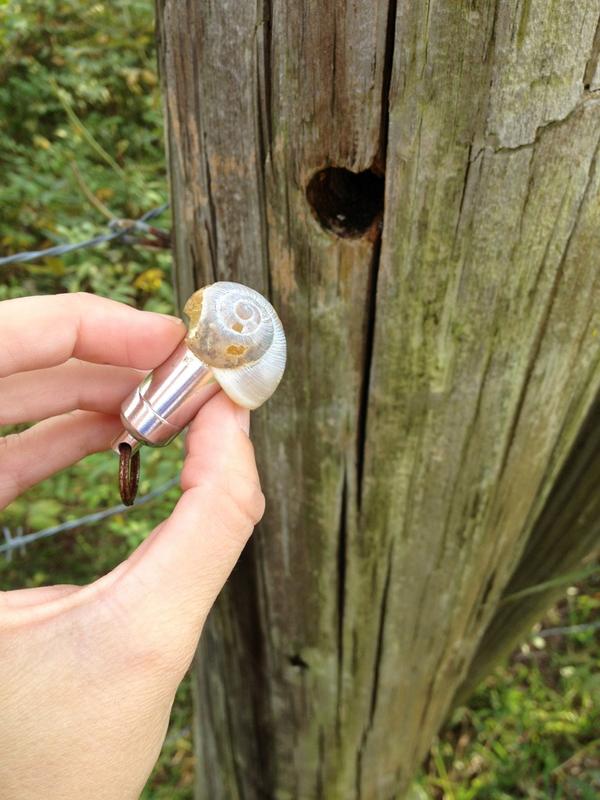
(169, 584)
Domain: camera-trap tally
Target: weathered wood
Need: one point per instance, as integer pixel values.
(567, 531)
(440, 365)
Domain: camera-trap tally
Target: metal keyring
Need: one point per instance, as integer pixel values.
(129, 473)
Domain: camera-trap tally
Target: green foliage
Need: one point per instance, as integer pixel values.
(80, 141)
(532, 729)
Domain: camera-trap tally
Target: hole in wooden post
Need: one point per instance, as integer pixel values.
(296, 660)
(344, 202)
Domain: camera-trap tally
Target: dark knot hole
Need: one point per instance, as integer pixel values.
(344, 202)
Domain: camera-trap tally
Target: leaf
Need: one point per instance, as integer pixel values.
(150, 280)
(41, 142)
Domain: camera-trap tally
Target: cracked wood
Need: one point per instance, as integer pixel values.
(438, 374)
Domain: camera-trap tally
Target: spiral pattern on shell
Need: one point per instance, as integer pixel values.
(237, 333)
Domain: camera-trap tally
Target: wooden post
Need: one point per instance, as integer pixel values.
(415, 186)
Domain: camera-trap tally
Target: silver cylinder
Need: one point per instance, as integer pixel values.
(166, 401)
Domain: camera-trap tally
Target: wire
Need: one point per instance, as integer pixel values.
(121, 230)
(587, 626)
(15, 542)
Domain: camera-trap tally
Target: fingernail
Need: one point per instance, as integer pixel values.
(243, 417)
(171, 318)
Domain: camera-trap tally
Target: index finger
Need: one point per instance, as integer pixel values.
(47, 330)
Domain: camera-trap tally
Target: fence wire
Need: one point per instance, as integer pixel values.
(120, 229)
(20, 540)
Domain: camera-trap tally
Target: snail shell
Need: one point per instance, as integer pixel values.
(237, 333)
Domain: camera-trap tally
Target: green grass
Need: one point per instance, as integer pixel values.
(532, 729)
(81, 129)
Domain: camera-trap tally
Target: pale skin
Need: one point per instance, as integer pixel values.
(89, 673)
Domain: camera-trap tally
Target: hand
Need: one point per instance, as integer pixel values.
(89, 673)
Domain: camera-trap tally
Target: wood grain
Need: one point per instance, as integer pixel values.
(440, 366)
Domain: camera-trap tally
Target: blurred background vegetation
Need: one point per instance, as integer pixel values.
(81, 141)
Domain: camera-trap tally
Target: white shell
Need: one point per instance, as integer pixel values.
(237, 333)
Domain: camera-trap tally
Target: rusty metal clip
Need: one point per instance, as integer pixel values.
(129, 473)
